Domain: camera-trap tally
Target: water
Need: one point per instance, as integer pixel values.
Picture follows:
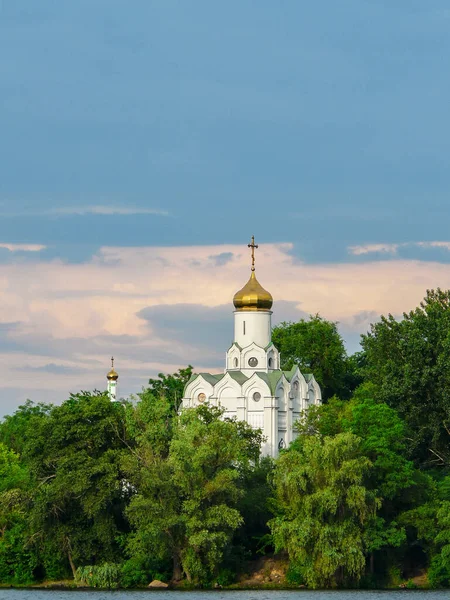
(8, 594)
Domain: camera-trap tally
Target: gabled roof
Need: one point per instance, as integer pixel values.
(271, 378)
(238, 376)
(214, 378)
(209, 377)
(234, 344)
(290, 374)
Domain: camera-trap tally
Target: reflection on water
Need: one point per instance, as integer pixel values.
(9, 594)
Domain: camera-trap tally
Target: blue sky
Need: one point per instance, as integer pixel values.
(172, 124)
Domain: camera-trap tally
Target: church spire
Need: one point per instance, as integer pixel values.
(253, 246)
(112, 378)
(253, 296)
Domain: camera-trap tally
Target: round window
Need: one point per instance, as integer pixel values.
(201, 397)
(256, 396)
(253, 362)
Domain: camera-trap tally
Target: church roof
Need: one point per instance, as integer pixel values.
(290, 374)
(253, 296)
(271, 378)
(211, 378)
(238, 376)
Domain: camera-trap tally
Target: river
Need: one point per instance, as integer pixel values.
(10, 594)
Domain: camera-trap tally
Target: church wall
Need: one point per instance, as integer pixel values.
(254, 352)
(252, 327)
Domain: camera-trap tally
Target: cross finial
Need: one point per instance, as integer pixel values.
(253, 246)
(112, 362)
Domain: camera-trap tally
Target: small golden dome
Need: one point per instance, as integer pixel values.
(253, 296)
(112, 375)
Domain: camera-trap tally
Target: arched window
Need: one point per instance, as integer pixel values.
(235, 362)
(270, 362)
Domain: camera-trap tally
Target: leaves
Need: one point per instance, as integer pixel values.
(408, 362)
(317, 347)
(323, 507)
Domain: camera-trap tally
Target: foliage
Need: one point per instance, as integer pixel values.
(185, 509)
(316, 346)
(171, 387)
(323, 507)
(14, 428)
(104, 576)
(391, 478)
(74, 455)
(408, 361)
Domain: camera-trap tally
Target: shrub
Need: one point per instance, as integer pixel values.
(102, 576)
(295, 575)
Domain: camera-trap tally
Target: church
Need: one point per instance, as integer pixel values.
(253, 388)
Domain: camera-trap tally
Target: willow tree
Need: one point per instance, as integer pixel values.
(186, 505)
(323, 508)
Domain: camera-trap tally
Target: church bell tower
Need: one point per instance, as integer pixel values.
(112, 378)
(252, 349)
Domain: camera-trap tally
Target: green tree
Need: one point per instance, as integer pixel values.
(171, 386)
(15, 429)
(392, 478)
(17, 560)
(316, 346)
(430, 522)
(186, 506)
(74, 457)
(323, 507)
(408, 361)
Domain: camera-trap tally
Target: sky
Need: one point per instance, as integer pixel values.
(143, 143)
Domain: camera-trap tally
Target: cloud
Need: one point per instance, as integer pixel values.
(53, 368)
(159, 308)
(374, 248)
(81, 211)
(222, 259)
(106, 210)
(444, 245)
(393, 249)
(23, 247)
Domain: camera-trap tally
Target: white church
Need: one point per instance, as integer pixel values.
(252, 387)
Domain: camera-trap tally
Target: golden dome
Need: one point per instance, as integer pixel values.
(253, 296)
(112, 375)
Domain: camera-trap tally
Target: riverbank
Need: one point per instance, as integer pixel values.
(266, 573)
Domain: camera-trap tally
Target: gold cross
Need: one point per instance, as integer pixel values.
(253, 246)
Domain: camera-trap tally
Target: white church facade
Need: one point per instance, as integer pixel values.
(253, 388)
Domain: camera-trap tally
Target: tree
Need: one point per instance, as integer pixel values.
(392, 478)
(408, 362)
(317, 347)
(323, 507)
(15, 429)
(185, 509)
(17, 561)
(171, 387)
(74, 456)
(431, 524)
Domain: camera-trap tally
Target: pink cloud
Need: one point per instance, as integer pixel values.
(85, 312)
